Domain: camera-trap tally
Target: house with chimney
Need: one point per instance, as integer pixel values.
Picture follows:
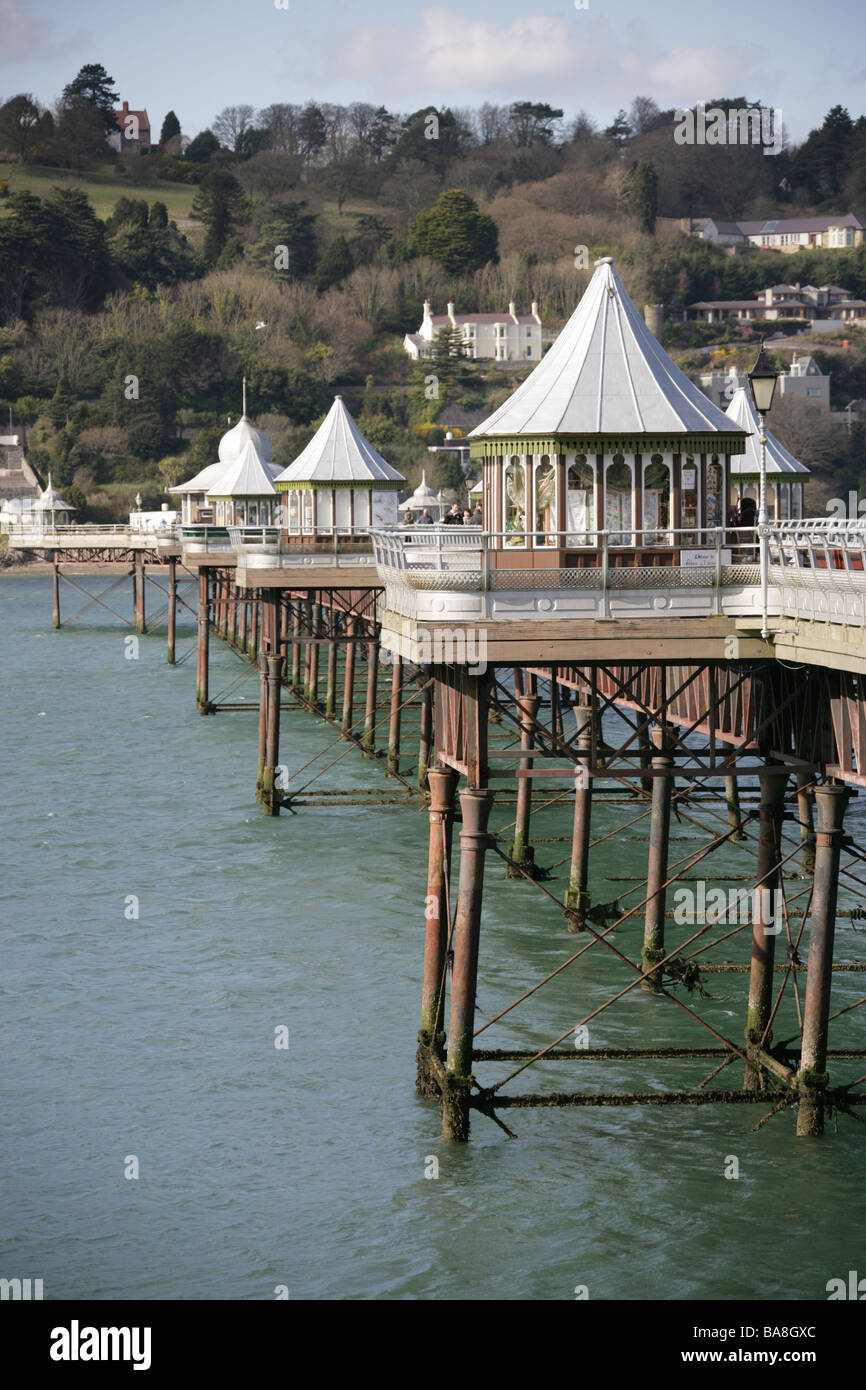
(834, 232)
(503, 337)
(829, 302)
(133, 130)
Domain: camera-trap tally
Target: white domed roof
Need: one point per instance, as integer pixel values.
(235, 440)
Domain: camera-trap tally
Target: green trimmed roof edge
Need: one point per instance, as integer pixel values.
(608, 444)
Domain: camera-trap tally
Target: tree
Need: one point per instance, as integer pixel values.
(199, 150)
(455, 233)
(289, 226)
(220, 203)
(619, 132)
(230, 124)
(347, 174)
(335, 265)
(644, 115)
(170, 130)
(642, 195)
(19, 125)
(94, 86)
(532, 122)
(78, 269)
(312, 132)
(79, 133)
(371, 233)
(433, 138)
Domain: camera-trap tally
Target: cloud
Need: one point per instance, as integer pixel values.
(579, 59)
(23, 36)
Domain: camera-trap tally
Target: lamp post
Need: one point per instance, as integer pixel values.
(762, 382)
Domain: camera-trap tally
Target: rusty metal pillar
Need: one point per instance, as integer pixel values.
(396, 712)
(555, 705)
(425, 729)
(315, 628)
(331, 682)
(349, 677)
(577, 897)
(443, 785)
(370, 710)
(521, 852)
(243, 605)
(253, 638)
(475, 808)
(306, 630)
(262, 662)
(831, 801)
(203, 704)
(644, 744)
(296, 646)
(657, 873)
(732, 801)
(765, 926)
(172, 609)
(138, 594)
(806, 816)
(273, 658)
(56, 588)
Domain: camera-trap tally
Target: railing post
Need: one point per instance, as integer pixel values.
(605, 574)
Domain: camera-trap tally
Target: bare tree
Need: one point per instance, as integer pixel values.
(231, 123)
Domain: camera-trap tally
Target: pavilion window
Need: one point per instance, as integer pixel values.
(307, 509)
(323, 511)
(784, 512)
(689, 500)
(580, 502)
(796, 501)
(362, 508)
(253, 514)
(656, 501)
(514, 510)
(240, 513)
(618, 504)
(714, 491)
(545, 501)
(343, 509)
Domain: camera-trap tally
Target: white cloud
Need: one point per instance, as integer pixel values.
(578, 59)
(23, 36)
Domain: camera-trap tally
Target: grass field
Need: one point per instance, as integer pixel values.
(103, 190)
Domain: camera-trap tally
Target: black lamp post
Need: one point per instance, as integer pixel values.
(762, 382)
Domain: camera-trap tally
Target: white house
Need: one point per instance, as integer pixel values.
(510, 337)
(833, 232)
(803, 379)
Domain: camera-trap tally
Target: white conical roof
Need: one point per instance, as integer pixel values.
(237, 438)
(606, 374)
(249, 476)
(742, 411)
(50, 500)
(339, 453)
(202, 480)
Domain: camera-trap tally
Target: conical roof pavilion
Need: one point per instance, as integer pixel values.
(49, 500)
(422, 497)
(607, 379)
(249, 476)
(339, 455)
(779, 460)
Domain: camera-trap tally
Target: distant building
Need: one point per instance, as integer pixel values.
(133, 131)
(803, 379)
(17, 478)
(784, 302)
(509, 337)
(787, 234)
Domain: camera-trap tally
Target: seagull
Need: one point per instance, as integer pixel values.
(261, 324)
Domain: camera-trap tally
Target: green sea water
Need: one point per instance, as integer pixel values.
(152, 1036)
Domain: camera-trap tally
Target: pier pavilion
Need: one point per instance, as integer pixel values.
(785, 474)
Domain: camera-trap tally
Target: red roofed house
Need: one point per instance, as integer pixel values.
(133, 131)
(510, 337)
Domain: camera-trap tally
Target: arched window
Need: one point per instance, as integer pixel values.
(514, 508)
(656, 501)
(580, 502)
(689, 501)
(545, 501)
(618, 510)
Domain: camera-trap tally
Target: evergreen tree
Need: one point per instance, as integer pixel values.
(199, 150)
(94, 86)
(335, 265)
(170, 129)
(455, 233)
(289, 226)
(19, 126)
(643, 195)
(220, 203)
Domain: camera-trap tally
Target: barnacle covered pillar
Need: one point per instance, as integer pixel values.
(577, 896)
(831, 801)
(765, 926)
(172, 609)
(273, 658)
(660, 827)
(203, 645)
(443, 785)
(521, 852)
(395, 713)
(349, 678)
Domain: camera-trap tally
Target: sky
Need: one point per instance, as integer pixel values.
(197, 56)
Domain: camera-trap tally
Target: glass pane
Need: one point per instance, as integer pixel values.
(545, 502)
(515, 503)
(580, 503)
(617, 501)
(715, 510)
(656, 502)
(689, 501)
(307, 508)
